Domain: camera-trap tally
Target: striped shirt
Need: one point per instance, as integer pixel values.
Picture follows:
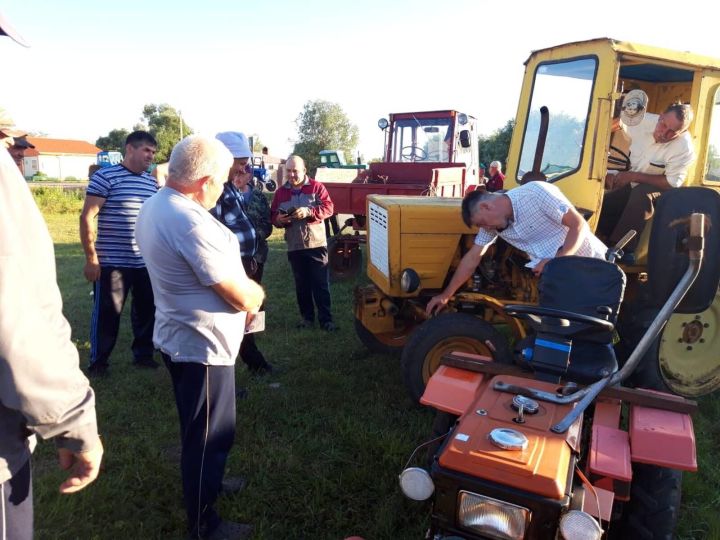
(124, 193)
(537, 229)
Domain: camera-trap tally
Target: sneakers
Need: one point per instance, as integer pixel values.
(232, 485)
(266, 368)
(329, 326)
(303, 324)
(98, 369)
(228, 530)
(146, 362)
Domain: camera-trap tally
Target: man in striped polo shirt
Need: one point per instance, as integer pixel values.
(112, 258)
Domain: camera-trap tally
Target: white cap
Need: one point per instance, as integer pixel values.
(6, 29)
(236, 142)
(634, 106)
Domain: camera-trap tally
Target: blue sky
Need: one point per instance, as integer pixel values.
(250, 66)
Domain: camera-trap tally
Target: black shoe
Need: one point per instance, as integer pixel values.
(228, 530)
(262, 369)
(98, 369)
(303, 324)
(329, 326)
(146, 363)
(232, 485)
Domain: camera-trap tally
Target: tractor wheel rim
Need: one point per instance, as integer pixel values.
(448, 345)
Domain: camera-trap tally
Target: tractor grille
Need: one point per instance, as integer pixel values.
(378, 238)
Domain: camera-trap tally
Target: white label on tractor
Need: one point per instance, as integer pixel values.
(462, 437)
(378, 238)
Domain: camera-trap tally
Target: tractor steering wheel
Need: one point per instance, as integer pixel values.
(413, 153)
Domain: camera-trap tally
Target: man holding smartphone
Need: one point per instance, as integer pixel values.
(299, 207)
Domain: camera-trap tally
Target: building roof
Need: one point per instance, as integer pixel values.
(44, 145)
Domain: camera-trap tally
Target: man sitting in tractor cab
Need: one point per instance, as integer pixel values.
(660, 153)
(535, 218)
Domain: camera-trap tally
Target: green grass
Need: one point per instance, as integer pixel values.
(321, 452)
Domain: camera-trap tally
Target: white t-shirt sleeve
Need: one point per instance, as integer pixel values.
(677, 166)
(212, 253)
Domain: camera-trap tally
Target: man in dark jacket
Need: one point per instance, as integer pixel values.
(300, 206)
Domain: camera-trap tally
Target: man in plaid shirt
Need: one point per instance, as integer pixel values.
(535, 218)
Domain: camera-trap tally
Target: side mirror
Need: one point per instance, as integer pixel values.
(465, 138)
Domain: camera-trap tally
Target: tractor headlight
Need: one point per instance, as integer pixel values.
(578, 525)
(409, 280)
(416, 484)
(492, 518)
(383, 123)
(462, 119)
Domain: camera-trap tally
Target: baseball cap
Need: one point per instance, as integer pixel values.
(22, 142)
(236, 142)
(7, 125)
(634, 106)
(6, 29)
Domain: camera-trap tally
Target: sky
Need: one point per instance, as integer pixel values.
(251, 66)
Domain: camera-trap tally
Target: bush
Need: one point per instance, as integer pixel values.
(59, 201)
(71, 179)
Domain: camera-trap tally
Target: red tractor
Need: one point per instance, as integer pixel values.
(548, 444)
(431, 153)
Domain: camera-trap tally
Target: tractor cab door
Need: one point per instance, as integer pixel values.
(563, 123)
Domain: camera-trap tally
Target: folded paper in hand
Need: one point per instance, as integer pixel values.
(257, 324)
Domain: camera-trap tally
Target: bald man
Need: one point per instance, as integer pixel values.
(299, 207)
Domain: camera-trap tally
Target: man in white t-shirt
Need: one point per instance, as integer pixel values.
(535, 218)
(202, 300)
(660, 153)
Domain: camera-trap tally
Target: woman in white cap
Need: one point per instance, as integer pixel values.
(245, 211)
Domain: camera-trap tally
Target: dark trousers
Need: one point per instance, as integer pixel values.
(625, 209)
(205, 399)
(110, 293)
(312, 282)
(249, 352)
(16, 512)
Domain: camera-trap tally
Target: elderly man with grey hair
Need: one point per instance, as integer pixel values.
(202, 299)
(497, 178)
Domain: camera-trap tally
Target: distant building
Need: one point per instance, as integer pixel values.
(59, 158)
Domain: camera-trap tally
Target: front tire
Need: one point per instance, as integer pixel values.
(652, 512)
(444, 334)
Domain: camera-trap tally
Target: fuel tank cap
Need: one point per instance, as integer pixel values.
(530, 406)
(508, 439)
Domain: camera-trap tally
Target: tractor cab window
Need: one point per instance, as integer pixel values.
(565, 88)
(422, 139)
(712, 170)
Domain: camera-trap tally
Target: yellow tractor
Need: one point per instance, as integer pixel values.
(562, 134)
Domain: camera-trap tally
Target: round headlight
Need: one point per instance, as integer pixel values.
(383, 123)
(416, 484)
(409, 280)
(462, 119)
(579, 525)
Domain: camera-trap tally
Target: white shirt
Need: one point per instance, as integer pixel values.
(537, 229)
(186, 251)
(647, 156)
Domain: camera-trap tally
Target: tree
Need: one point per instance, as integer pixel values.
(257, 144)
(113, 141)
(496, 146)
(323, 125)
(167, 126)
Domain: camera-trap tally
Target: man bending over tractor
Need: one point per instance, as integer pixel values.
(535, 218)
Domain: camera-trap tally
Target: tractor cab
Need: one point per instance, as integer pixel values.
(108, 159)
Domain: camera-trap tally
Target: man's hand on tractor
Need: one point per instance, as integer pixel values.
(282, 219)
(436, 304)
(539, 267)
(92, 269)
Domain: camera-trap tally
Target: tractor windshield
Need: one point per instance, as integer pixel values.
(565, 88)
(422, 139)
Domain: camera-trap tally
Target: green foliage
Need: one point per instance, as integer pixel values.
(323, 125)
(164, 123)
(114, 141)
(257, 144)
(496, 146)
(52, 200)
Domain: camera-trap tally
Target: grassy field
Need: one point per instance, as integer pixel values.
(321, 443)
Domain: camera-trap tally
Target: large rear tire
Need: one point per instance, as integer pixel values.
(443, 334)
(652, 512)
